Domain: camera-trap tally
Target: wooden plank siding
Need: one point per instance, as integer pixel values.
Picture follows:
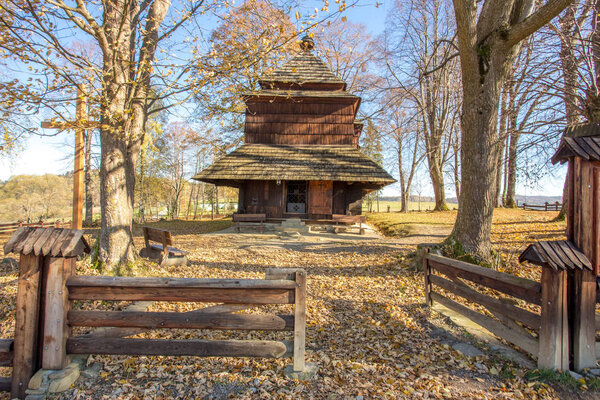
(320, 195)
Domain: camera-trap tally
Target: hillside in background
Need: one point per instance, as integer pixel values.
(46, 197)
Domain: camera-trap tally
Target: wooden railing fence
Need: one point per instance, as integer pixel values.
(543, 207)
(539, 333)
(11, 227)
(47, 286)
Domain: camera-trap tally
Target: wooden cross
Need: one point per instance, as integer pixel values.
(80, 125)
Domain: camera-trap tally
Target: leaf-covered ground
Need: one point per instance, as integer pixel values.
(368, 329)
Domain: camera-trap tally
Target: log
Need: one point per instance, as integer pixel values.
(529, 344)
(493, 304)
(6, 352)
(124, 282)
(521, 288)
(300, 321)
(170, 347)
(4, 384)
(189, 320)
(250, 296)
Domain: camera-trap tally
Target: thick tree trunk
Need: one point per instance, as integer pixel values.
(487, 41)
(116, 240)
(512, 169)
(437, 179)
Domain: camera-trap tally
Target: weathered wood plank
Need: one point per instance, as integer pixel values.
(300, 321)
(37, 246)
(529, 344)
(4, 384)
(521, 288)
(56, 309)
(554, 343)
(26, 324)
(170, 347)
(6, 352)
(281, 273)
(31, 239)
(249, 296)
(192, 283)
(584, 322)
(493, 304)
(16, 237)
(47, 247)
(189, 320)
(65, 237)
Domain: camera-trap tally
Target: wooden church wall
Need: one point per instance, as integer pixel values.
(339, 198)
(262, 197)
(584, 201)
(299, 123)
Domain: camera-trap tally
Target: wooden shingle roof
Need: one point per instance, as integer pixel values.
(303, 68)
(579, 141)
(54, 242)
(559, 255)
(301, 162)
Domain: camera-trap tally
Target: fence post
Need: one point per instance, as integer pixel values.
(26, 324)
(427, 272)
(546, 206)
(584, 324)
(554, 332)
(56, 307)
(300, 321)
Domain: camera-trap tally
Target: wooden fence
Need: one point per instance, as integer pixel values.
(52, 312)
(543, 207)
(539, 333)
(11, 227)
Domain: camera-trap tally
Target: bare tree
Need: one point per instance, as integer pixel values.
(419, 61)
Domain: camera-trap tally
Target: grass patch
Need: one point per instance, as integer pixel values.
(554, 378)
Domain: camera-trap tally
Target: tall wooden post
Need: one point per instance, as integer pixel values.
(584, 231)
(26, 324)
(81, 114)
(554, 332)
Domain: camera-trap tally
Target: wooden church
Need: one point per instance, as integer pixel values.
(300, 157)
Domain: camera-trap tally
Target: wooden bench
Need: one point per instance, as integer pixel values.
(342, 221)
(163, 253)
(257, 220)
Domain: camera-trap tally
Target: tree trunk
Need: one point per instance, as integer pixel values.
(488, 43)
(512, 169)
(116, 240)
(89, 201)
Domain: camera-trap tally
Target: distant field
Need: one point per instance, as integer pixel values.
(412, 206)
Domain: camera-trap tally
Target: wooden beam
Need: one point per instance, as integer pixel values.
(56, 305)
(189, 320)
(521, 288)
(491, 303)
(26, 324)
(6, 352)
(4, 384)
(170, 347)
(554, 332)
(300, 321)
(527, 343)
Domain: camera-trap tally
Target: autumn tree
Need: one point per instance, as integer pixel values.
(489, 35)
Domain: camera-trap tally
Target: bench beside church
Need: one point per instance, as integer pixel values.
(300, 157)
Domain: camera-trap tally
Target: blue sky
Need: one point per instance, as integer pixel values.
(41, 155)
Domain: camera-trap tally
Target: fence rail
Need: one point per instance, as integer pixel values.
(539, 334)
(11, 227)
(543, 207)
